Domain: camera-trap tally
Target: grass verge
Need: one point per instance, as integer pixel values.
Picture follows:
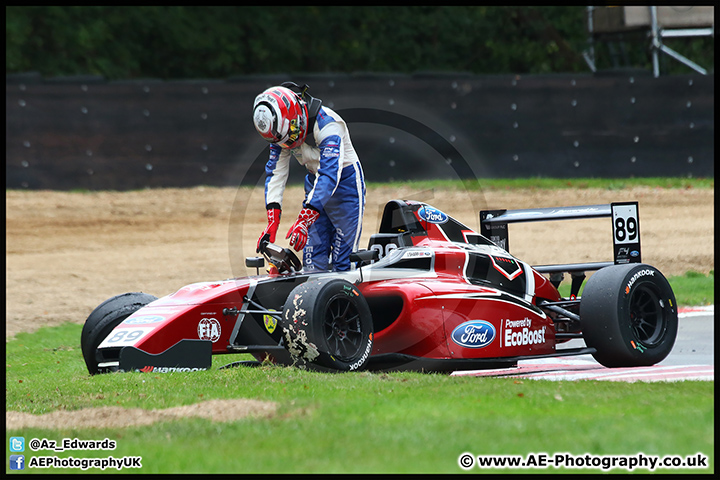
(354, 423)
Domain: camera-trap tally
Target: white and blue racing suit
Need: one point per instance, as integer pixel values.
(334, 186)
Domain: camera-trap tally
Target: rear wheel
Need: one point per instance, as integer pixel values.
(104, 319)
(327, 325)
(629, 315)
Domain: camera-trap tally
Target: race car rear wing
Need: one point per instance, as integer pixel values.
(625, 228)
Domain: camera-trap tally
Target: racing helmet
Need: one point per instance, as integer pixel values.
(281, 117)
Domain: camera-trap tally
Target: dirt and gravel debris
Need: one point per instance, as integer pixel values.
(119, 417)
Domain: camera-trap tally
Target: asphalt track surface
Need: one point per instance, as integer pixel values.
(692, 358)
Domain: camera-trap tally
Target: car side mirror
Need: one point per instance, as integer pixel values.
(255, 262)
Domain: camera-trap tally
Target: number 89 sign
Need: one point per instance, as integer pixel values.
(626, 232)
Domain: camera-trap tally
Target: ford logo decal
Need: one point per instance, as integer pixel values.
(432, 215)
(474, 334)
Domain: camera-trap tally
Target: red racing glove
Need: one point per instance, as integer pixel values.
(298, 233)
(273, 216)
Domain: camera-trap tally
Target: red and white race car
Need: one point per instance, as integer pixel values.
(429, 294)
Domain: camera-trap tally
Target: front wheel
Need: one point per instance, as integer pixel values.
(629, 315)
(327, 325)
(104, 319)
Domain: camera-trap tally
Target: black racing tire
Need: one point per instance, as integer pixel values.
(104, 319)
(327, 326)
(629, 315)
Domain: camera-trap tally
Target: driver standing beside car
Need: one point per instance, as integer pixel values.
(329, 224)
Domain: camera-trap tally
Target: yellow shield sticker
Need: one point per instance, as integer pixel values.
(270, 322)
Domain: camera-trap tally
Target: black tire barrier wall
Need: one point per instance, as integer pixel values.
(87, 133)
